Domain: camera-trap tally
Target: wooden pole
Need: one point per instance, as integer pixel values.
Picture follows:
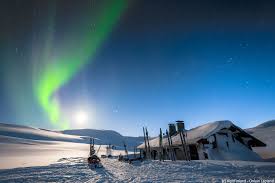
(169, 144)
(187, 151)
(149, 149)
(145, 142)
(90, 146)
(125, 148)
(172, 149)
(183, 146)
(160, 145)
(92, 143)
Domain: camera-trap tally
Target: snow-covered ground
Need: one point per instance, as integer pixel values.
(36, 155)
(266, 133)
(78, 135)
(22, 146)
(76, 170)
(16, 152)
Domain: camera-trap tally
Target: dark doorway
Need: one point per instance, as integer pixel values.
(154, 154)
(193, 152)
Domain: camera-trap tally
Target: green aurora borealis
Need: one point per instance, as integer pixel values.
(78, 49)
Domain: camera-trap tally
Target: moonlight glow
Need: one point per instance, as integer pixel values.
(81, 117)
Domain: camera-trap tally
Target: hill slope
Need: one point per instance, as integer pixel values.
(106, 137)
(78, 135)
(266, 133)
(23, 146)
(25, 132)
(267, 124)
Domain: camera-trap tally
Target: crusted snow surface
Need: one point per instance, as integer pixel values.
(76, 170)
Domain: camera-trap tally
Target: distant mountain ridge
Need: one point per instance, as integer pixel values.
(266, 133)
(26, 132)
(78, 135)
(267, 124)
(106, 137)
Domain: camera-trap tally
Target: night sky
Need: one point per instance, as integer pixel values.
(128, 64)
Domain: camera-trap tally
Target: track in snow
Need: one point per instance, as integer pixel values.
(76, 170)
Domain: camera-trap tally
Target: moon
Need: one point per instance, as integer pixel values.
(80, 117)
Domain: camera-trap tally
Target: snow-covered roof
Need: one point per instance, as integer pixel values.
(195, 134)
(203, 131)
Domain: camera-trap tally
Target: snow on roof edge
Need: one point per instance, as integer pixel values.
(194, 134)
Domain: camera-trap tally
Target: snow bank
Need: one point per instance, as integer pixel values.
(76, 170)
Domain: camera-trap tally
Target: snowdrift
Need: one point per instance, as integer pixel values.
(266, 133)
